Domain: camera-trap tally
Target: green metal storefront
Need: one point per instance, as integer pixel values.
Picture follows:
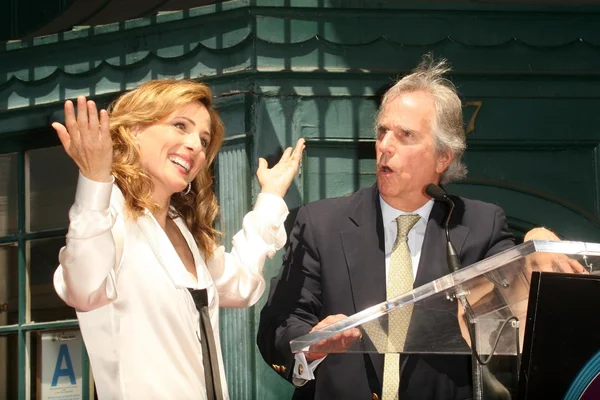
(283, 69)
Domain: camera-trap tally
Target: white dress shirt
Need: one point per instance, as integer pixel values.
(415, 236)
(130, 289)
(390, 229)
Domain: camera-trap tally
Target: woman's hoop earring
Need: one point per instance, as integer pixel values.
(187, 191)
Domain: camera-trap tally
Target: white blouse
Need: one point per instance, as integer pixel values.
(130, 289)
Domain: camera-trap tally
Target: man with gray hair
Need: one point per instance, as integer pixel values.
(342, 252)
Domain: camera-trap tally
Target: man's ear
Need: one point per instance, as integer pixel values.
(443, 161)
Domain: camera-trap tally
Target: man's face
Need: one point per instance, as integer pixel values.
(406, 156)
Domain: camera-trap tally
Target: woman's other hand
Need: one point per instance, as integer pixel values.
(86, 139)
(278, 179)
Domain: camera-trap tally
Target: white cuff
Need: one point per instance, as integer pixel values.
(92, 195)
(272, 208)
(303, 371)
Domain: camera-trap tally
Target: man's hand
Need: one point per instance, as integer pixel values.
(550, 262)
(335, 344)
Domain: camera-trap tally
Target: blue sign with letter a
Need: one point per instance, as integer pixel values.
(63, 355)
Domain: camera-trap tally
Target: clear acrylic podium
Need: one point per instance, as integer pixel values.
(490, 298)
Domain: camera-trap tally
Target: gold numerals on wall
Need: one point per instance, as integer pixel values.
(477, 104)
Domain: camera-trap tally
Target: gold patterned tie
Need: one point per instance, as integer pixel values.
(400, 280)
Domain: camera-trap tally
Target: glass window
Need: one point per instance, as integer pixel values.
(8, 367)
(9, 293)
(8, 194)
(45, 303)
(52, 183)
(37, 188)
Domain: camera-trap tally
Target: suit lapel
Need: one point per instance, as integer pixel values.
(364, 250)
(363, 247)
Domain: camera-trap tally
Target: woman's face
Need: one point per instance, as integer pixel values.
(173, 150)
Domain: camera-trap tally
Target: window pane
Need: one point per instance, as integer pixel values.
(9, 367)
(9, 293)
(45, 303)
(52, 182)
(8, 194)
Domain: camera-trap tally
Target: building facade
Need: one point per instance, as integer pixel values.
(529, 76)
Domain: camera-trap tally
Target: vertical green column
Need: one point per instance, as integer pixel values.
(22, 276)
(236, 325)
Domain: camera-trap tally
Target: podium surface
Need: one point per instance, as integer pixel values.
(496, 289)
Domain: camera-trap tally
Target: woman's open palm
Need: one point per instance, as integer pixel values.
(278, 179)
(85, 137)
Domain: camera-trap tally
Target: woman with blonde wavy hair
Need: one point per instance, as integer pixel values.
(142, 265)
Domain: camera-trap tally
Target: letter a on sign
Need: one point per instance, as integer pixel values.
(63, 354)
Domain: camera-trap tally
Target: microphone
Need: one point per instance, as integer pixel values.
(439, 194)
(490, 385)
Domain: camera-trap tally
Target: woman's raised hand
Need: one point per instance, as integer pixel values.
(86, 139)
(278, 179)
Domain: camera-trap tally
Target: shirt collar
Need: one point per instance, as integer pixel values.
(389, 213)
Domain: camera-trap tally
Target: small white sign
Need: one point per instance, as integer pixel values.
(61, 366)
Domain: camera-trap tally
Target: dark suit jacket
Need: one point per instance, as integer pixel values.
(335, 264)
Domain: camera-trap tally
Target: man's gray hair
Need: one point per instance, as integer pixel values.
(448, 129)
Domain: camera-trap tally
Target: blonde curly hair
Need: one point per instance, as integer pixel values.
(147, 104)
